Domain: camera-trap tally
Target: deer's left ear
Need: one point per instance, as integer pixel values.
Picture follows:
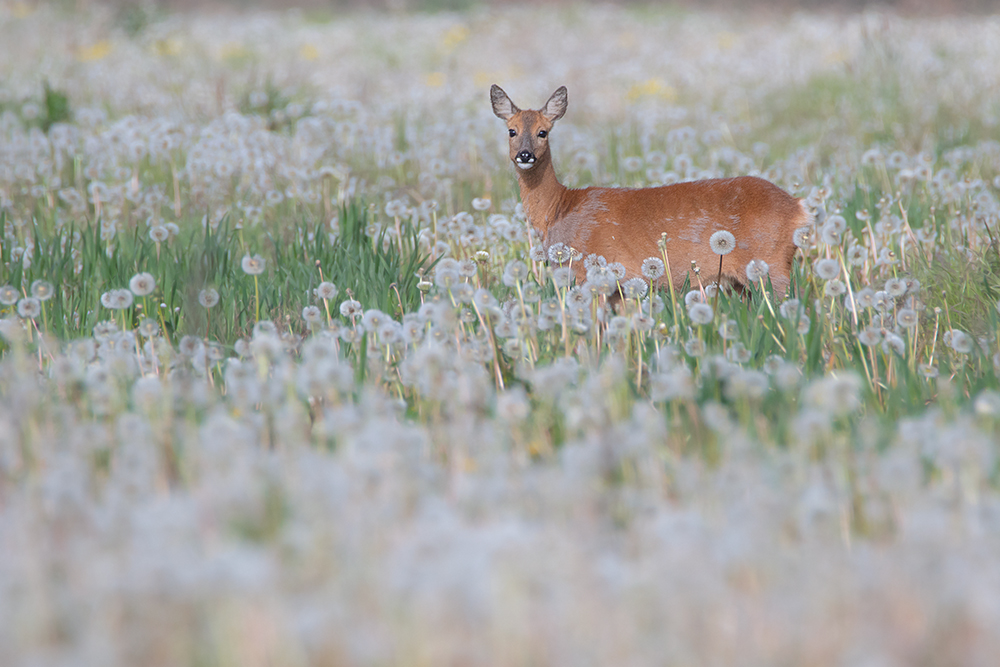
(502, 106)
(556, 106)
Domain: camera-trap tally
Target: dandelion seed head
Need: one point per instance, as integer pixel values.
(790, 309)
(592, 260)
(148, 327)
(562, 276)
(373, 319)
(389, 332)
(837, 223)
(757, 269)
(209, 297)
(835, 288)
(830, 236)
(352, 334)
(960, 341)
(559, 253)
(191, 346)
(9, 295)
(729, 330)
(694, 347)
(326, 291)
(515, 271)
(652, 268)
(117, 299)
(42, 290)
(870, 336)
(856, 255)
(312, 314)
(159, 233)
(446, 278)
(29, 308)
(467, 268)
(738, 353)
(894, 343)
(722, 242)
(142, 284)
(617, 269)
(802, 238)
(907, 318)
(827, 269)
(701, 313)
(635, 288)
(253, 265)
(692, 297)
(895, 287)
(351, 308)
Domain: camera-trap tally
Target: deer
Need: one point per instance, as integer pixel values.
(628, 225)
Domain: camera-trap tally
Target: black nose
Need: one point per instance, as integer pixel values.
(525, 156)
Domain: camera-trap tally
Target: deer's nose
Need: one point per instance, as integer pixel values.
(525, 157)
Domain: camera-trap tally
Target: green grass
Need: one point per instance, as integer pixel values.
(378, 277)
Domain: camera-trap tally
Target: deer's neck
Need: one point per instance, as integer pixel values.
(542, 195)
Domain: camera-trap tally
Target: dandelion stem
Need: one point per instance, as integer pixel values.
(718, 282)
(256, 291)
(670, 282)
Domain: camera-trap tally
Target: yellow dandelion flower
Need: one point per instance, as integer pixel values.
(94, 52)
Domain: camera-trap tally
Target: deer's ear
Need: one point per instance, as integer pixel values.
(502, 106)
(556, 106)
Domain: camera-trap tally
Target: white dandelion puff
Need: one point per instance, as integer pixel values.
(312, 314)
(351, 308)
(757, 269)
(29, 308)
(701, 313)
(559, 253)
(209, 297)
(722, 242)
(142, 284)
(802, 238)
(827, 269)
(42, 290)
(652, 268)
(907, 318)
(253, 265)
(835, 288)
(9, 295)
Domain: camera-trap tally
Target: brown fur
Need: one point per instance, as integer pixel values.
(625, 224)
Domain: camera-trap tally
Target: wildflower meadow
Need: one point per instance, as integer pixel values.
(288, 379)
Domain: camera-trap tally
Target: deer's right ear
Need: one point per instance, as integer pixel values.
(502, 106)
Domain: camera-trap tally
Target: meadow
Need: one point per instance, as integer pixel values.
(288, 380)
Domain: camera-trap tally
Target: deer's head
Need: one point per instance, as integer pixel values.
(528, 129)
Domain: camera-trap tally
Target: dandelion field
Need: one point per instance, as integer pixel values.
(287, 379)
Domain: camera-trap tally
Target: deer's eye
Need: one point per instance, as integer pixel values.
(512, 132)
(542, 134)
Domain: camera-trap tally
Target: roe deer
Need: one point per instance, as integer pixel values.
(625, 224)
